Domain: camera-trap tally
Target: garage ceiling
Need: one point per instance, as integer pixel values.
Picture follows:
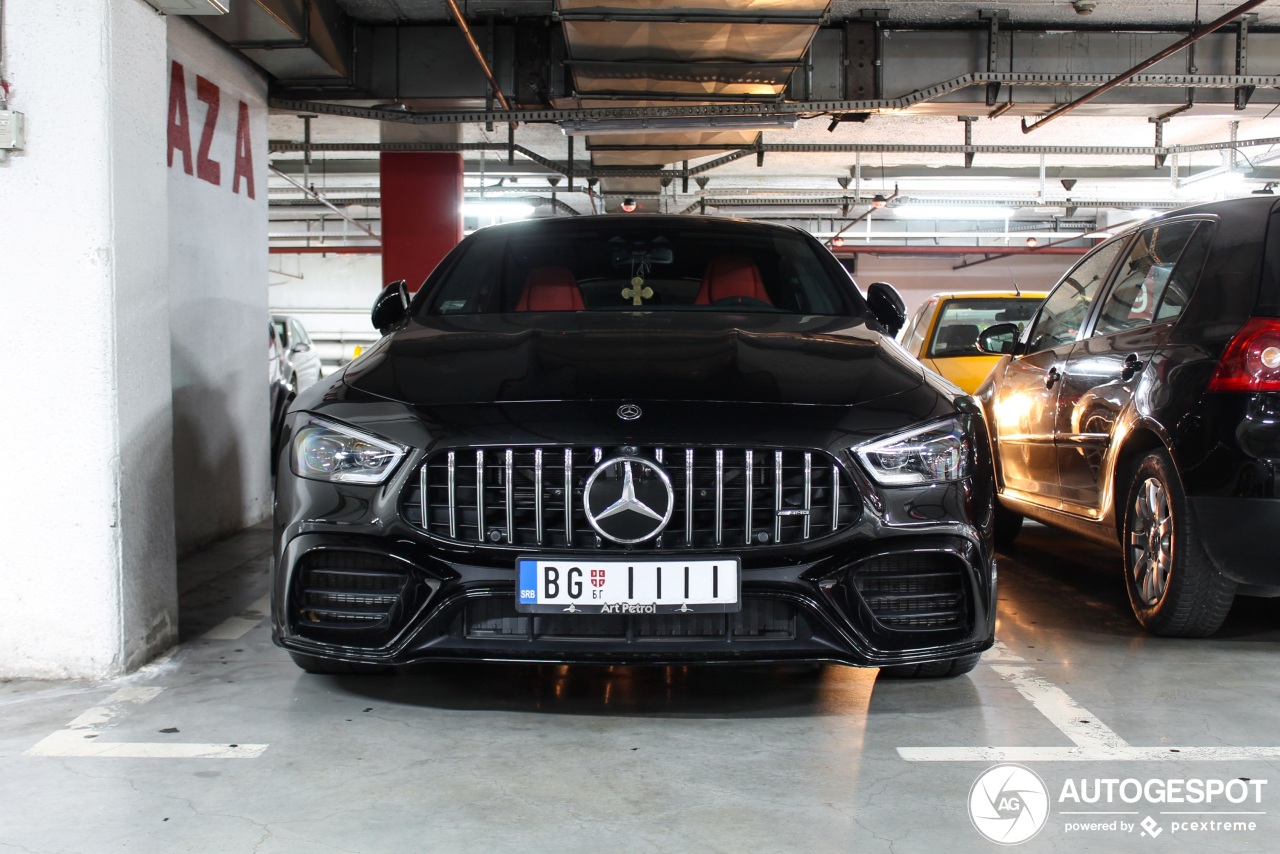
(919, 102)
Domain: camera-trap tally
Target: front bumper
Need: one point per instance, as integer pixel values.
(905, 599)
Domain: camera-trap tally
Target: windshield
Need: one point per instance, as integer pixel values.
(960, 321)
(656, 265)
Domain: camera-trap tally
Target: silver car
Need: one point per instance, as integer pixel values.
(301, 361)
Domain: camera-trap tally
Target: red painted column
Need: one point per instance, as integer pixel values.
(421, 212)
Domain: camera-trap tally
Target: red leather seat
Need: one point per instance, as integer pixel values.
(550, 289)
(731, 276)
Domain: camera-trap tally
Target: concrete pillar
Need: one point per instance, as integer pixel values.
(421, 196)
(87, 555)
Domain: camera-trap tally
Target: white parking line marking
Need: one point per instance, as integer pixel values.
(80, 737)
(1093, 740)
(1074, 720)
(234, 628)
(1087, 754)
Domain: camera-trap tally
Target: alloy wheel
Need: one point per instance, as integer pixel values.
(1151, 541)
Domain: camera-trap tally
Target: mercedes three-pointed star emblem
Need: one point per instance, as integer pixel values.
(631, 508)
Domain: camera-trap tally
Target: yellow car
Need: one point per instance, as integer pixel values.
(944, 332)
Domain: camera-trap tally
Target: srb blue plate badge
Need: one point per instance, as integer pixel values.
(594, 586)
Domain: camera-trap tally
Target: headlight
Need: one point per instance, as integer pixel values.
(326, 450)
(933, 454)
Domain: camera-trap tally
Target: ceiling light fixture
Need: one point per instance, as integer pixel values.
(661, 124)
(1032, 242)
(879, 201)
(628, 204)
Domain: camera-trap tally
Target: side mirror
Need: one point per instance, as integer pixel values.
(999, 340)
(391, 306)
(887, 306)
(301, 348)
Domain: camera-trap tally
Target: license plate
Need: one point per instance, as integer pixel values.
(705, 585)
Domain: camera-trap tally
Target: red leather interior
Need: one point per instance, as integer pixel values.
(550, 289)
(731, 276)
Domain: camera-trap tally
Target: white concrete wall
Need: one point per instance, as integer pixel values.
(218, 294)
(332, 296)
(87, 560)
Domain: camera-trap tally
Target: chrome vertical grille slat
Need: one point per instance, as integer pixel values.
(718, 492)
(509, 479)
(777, 495)
(480, 496)
(537, 494)
(719, 496)
(808, 491)
(688, 496)
(453, 494)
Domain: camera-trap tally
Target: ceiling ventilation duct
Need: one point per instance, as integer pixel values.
(655, 53)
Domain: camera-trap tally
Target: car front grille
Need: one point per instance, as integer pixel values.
(532, 497)
(921, 591)
(759, 619)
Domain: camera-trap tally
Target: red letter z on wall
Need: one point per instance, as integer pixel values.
(206, 168)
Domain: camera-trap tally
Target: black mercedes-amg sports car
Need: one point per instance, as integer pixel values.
(635, 439)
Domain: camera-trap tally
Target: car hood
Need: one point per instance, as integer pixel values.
(675, 356)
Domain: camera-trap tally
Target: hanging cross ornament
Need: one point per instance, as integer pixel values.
(638, 292)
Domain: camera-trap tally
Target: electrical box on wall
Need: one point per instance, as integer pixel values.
(11, 131)
(191, 7)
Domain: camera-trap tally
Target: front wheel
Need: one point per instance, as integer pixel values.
(1173, 587)
(945, 669)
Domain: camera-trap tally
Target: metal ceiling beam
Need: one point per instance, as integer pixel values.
(930, 93)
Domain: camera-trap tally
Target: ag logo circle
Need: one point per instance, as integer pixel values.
(1008, 804)
(628, 499)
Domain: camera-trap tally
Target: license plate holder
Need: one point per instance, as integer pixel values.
(699, 585)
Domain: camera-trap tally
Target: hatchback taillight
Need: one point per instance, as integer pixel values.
(1251, 361)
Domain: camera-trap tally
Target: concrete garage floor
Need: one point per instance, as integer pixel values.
(225, 746)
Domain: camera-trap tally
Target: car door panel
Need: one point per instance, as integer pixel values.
(1103, 371)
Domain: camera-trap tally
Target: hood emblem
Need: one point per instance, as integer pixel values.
(628, 500)
(629, 412)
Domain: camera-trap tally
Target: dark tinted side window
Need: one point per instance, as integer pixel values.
(1067, 307)
(1145, 276)
(1185, 276)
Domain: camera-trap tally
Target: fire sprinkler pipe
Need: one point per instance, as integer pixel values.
(475, 49)
(1142, 66)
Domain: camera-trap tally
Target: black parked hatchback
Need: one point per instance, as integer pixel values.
(1140, 407)
(636, 439)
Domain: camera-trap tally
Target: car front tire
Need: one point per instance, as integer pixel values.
(1007, 525)
(1174, 588)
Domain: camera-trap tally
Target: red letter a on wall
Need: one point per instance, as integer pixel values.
(244, 153)
(179, 123)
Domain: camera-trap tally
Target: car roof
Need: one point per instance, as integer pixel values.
(989, 294)
(685, 221)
